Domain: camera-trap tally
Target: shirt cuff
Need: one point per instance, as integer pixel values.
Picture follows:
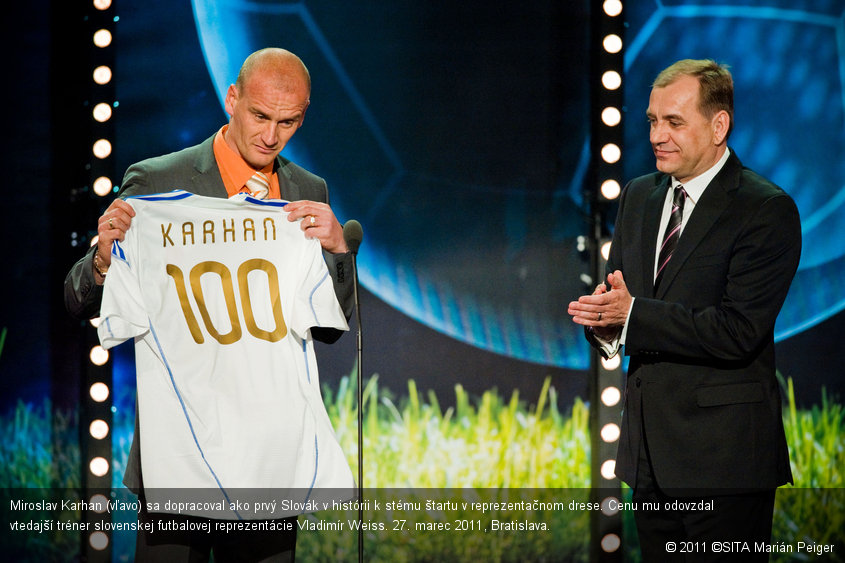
(624, 334)
(611, 347)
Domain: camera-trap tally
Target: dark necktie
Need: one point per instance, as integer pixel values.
(672, 234)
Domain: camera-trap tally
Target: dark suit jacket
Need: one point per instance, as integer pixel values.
(701, 382)
(195, 170)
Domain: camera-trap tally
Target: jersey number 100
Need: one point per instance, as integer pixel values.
(211, 267)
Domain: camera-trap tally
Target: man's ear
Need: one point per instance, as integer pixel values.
(231, 98)
(302, 117)
(721, 125)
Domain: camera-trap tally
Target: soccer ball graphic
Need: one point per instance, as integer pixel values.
(491, 264)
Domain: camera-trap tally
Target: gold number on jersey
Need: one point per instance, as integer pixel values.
(275, 301)
(212, 267)
(193, 326)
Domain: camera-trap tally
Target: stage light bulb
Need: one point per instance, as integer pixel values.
(98, 355)
(610, 189)
(99, 392)
(611, 396)
(102, 38)
(611, 80)
(98, 540)
(99, 466)
(612, 7)
(611, 364)
(99, 503)
(581, 243)
(611, 116)
(102, 75)
(606, 509)
(102, 4)
(612, 43)
(605, 251)
(102, 186)
(99, 429)
(102, 112)
(102, 148)
(610, 543)
(611, 153)
(610, 432)
(608, 469)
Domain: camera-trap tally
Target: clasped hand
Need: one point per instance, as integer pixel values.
(606, 311)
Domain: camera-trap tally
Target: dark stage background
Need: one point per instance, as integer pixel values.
(455, 133)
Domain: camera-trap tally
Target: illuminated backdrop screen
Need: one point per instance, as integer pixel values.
(453, 132)
(455, 135)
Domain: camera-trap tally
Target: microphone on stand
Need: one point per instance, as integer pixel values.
(353, 234)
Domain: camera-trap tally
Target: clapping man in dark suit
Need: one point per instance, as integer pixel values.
(267, 105)
(702, 257)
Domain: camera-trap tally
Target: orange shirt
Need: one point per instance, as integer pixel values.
(235, 171)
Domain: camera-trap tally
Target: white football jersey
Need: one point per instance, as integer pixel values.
(220, 296)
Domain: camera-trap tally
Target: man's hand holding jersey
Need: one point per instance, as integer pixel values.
(319, 222)
(111, 226)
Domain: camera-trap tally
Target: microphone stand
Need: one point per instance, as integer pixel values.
(353, 234)
(360, 412)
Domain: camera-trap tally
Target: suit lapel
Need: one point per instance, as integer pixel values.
(207, 180)
(713, 202)
(288, 188)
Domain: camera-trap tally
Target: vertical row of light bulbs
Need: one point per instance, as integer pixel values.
(98, 401)
(608, 141)
(612, 100)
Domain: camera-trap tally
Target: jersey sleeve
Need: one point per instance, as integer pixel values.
(122, 313)
(316, 303)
